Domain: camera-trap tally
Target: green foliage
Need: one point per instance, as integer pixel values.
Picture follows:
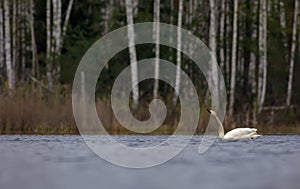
(86, 26)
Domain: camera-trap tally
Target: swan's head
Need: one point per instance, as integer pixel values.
(212, 112)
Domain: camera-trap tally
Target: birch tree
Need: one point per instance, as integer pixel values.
(57, 31)
(212, 45)
(233, 58)
(253, 60)
(190, 13)
(212, 28)
(191, 30)
(135, 7)
(240, 47)
(132, 52)
(49, 38)
(171, 22)
(104, 16)
(66, 22)
(222, 31)
(55, 36)
(283, 27)
(23, 15)
(156, 19)
(1, 42)
(14, 32)
(292, 55)
(7, 45)
(108, 11)
(178, 54)
(228, 30)
(33, 41)
(262, 43)
(252, 66)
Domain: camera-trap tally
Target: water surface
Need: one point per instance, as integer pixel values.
(65, 162)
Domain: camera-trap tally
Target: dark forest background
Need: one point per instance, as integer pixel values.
(256, 44)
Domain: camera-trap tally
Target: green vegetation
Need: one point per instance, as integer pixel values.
(36, 72)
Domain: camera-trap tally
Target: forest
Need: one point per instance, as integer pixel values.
(255, 42)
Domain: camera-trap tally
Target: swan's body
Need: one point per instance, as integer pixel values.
(238, 133)
(242, 133)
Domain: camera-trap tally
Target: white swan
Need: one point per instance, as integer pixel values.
(238, 133)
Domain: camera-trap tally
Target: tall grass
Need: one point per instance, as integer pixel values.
(30, 111)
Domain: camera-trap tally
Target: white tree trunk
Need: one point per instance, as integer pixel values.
(178, 55)
(67, 18)
(54, 30)
(283, 27)
(49, 44)
(58, 27)
(1, 41)
(233, 58)
(282, 16)
(213, 75)
(135, 7)
(108, 12)
(196, 3)
(14, 34)
(227, 43)
(27, 29)
(191, 30)
(7, 42)
(190, 13)
(157, 50)
(103, 15)
(262, 41)
(23, 37)
(292, 55)
(212, 27)
(56, 34)
(222, 31)
(252, 66)
(33, 41)
(132, 52)
(171, 22)
(240, 49)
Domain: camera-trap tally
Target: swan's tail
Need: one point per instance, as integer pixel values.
(254, 129)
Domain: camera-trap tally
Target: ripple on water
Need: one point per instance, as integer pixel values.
(67, 162)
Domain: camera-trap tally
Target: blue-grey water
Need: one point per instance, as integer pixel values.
(65, 162)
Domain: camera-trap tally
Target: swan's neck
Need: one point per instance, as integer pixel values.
(221, 129)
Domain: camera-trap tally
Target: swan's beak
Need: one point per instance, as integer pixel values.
(209, 111)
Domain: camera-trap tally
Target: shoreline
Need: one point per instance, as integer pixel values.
(279, 130)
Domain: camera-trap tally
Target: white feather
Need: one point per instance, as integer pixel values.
(242, 133)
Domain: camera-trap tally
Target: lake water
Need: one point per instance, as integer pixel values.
(65, 162)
